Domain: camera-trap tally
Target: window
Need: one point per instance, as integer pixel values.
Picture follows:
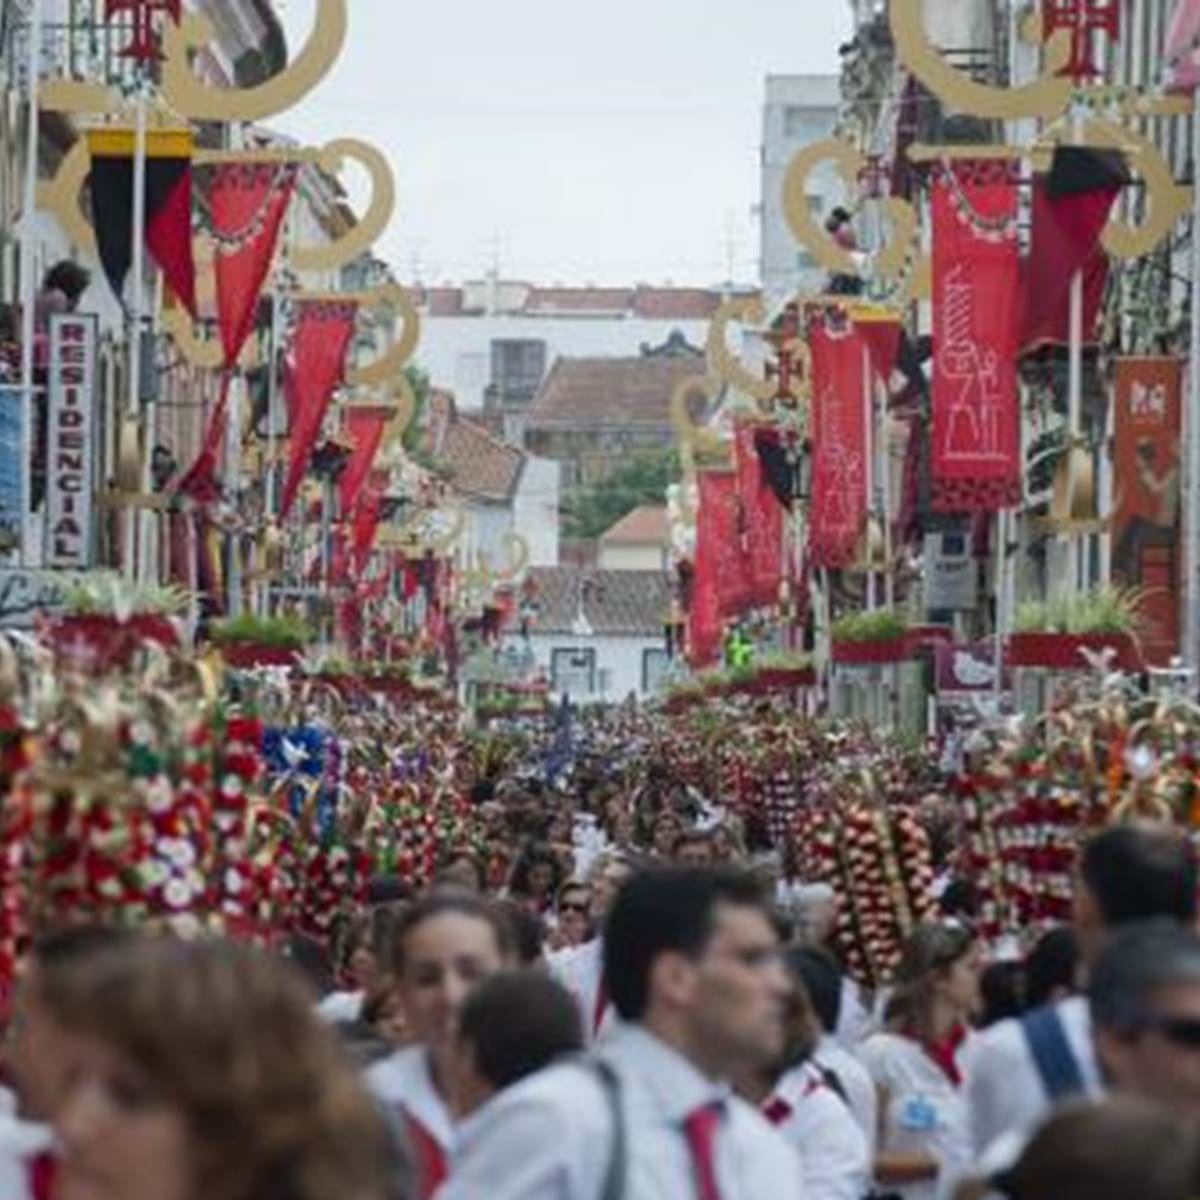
(655, 665)
(805, 125)
(573, 671)
(517, 368)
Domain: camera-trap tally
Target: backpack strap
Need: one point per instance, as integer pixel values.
(1052, 1054)
(613, 1187)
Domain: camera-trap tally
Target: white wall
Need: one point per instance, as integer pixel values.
(535, 510)
(457, 351)
(786, 130)
(618, 661)
(626, 557)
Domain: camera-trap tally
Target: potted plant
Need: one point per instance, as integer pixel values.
(1059, 634)
(783, 672)
(106, 620)
(869, 637)
(253, 641)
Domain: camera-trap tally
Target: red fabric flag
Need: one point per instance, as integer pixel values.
(976, 438)
(314, 369)
(248, 202)
(366, 519)
(762, 515)
(839, 435)
(1066, 239)
(365, 425)
(717, 554)
(882, 338)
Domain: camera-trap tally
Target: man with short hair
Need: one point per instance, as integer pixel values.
(1144, 995)
(693, 969)
(512, 1025)
(1019, 1069)
(694, 848)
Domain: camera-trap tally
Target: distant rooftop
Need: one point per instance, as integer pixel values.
(517, 299)
(645, 526)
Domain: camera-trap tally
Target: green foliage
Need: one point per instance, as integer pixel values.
(284, 633)
(421, 387)
(880, 626)
(1107, 610)
(104, 593)
(642, 480)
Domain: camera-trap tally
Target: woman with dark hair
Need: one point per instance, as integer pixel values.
(444, 945)
(536, 877)
(200, 1073)
(924, 1138)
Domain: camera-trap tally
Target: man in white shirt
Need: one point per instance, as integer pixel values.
(580, 969)
(692, 964)
(1019, 1069)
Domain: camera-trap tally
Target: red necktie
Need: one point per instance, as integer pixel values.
(701, 1130)
(601, 1006)
(431, 1159)
(42, 1171)
(777, 1111)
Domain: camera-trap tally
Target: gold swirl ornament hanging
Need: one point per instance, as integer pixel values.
(900, 264)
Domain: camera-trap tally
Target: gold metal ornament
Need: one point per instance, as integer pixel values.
(518, 557)
(698, 439)
(722, 362)
(198, 101)
(391, 364)
(901, 260)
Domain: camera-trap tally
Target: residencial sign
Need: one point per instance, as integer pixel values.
(71, 441)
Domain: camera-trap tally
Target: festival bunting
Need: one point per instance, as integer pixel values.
(839, 497)
(975, 460)
(168, 197)
(1146, 527)
(716, 543)
(366, 519)
(314, 369)
(762, 517)
(364, 425)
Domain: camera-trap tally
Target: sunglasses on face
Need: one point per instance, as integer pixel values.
(574, 906)
(1182, 1031)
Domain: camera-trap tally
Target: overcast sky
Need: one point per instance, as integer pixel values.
(576, 141)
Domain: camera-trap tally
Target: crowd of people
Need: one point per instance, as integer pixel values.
(640, 1008)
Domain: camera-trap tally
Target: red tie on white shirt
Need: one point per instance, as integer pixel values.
(777, 1111)
(43, 1169)
(701, 1130)
(601, 1006)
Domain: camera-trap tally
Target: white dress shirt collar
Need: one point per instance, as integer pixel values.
(673, 1082)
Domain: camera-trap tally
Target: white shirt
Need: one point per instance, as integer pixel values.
(1003, 1088)
(404, 1082)
(550, 1137)
(819, 1125)
(925, 1112)
(340, 1008)
(580, 970)
(854, 1019)
(20, 1143)
(861, 1094)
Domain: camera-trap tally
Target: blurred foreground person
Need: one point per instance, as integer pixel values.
(199, 1072)
(807, 1104)
(444, 945)
(692, 966)
(512, 1025)
(1110, 1151)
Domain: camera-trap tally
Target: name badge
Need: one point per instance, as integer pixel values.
(918, 1115)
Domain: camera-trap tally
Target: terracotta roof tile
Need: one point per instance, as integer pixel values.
(645, 526)
(477, 464)
(631, 603)
(676, 304)
(594, 393)
(578, 299)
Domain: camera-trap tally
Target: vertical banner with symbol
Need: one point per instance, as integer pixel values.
(976, 445)
(71, 441)
(1146, 492)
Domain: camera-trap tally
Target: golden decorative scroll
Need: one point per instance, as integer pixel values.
(693, 437)
(722, 362)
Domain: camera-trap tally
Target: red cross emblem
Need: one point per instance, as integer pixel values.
(787, 369)
(144, 46)
(1084, 18)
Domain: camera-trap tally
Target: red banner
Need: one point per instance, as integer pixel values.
(718, 556)
(364, 424)
(314, 369)
(247, 202)
(838, 510)
(762, 517)
(366, 519)
(976, 440)
(1146, 487)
